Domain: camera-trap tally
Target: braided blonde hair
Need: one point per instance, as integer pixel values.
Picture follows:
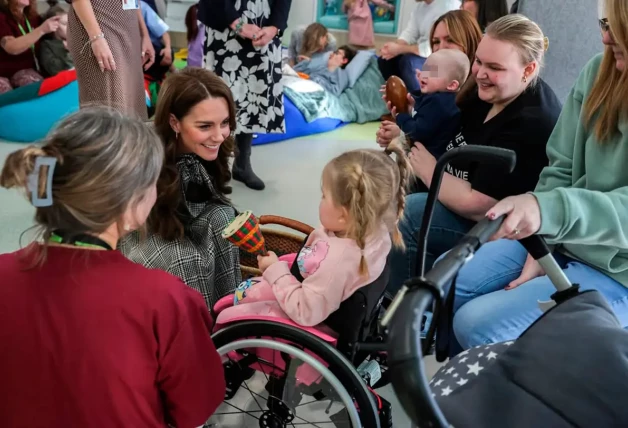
(371, 186)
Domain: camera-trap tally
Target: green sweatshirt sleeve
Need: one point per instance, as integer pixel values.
(571, 214)
(585, 217)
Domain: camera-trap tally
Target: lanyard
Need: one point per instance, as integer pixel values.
(79, 240)
(30, 30)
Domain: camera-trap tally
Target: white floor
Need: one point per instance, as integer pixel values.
(291, 170)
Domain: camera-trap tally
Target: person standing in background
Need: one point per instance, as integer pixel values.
(408, 53)
(109, 42)
(243, 47)
(195, 36)
(359, 15)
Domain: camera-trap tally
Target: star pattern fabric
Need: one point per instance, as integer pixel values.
(465, 367)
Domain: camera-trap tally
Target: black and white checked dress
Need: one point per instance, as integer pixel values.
(204, 260)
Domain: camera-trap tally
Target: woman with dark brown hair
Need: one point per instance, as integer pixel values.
(196, 119)
(21, 30)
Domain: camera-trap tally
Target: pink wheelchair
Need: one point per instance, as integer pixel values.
(280, 374)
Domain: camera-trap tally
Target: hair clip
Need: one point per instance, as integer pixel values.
(33, 181)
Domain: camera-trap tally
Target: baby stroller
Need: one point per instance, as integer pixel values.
(569, 369)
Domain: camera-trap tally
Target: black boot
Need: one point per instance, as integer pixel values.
(242, 170)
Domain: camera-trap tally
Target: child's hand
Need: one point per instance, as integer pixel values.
(265, 261)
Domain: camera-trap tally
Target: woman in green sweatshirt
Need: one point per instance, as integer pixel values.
(580, 205)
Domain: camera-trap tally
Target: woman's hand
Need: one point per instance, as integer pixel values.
(523, 217)
(411, 103)
(148, 52)
(103, 55)
(531, 269)
(265, 36)
(390, 50)
(249, 31)
(50, 25)
(265, 261)
(387, 132)
(422, 162)
(303, 58)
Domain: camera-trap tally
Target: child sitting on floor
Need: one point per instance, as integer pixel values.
(363, 201)
(54, 56)
(433, 118)
(328, 69)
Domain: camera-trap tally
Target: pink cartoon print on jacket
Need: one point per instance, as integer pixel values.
(310, 258)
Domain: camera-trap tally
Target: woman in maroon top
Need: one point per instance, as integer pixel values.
(20, 32)
(87, 337)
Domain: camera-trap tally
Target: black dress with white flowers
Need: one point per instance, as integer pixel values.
(252, 73)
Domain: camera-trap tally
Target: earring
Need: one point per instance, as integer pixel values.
(176, 135)
(524, 79)
(127, 228)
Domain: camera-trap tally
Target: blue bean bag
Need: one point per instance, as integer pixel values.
(297, 126)
(31, 120)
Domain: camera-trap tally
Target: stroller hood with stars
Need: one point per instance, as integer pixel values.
(569, 369)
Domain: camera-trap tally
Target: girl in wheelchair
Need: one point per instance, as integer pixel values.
(362, 203)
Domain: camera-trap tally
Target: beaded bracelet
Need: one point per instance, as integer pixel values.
(92, 40)
(96, 37)
(238, 27)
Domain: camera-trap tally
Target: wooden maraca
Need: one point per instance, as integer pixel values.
(397, 94)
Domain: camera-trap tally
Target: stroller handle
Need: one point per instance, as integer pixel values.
(405, 356)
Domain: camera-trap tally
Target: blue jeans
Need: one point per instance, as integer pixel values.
(486, 313)
(446, 230)
(404, 66)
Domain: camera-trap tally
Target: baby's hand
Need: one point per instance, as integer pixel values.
(265, 261)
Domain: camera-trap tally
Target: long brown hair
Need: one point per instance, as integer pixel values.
(465, 32)
(311, 39)
(372, 187)
(191, 22)
(13, 7)
(106, 161)
(178, 95)
(607, 102)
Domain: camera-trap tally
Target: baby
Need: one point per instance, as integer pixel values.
(328, 69)
(433, 117)
(54, 56)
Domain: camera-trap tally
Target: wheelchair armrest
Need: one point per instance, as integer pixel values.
(248, 317)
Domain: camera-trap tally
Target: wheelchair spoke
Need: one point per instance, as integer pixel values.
(244, 411)
(253, 395)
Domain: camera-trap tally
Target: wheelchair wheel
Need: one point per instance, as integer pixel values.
(267, 387)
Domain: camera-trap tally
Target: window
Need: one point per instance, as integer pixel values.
(330, 14)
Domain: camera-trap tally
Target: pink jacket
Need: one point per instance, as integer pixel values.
(329, 266)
